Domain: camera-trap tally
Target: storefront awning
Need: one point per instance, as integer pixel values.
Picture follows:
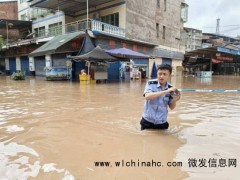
(211, 52)
(97, 54)
(51, 46)
(127, 53)
(15, 24)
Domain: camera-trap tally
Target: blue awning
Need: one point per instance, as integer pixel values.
(127, 53)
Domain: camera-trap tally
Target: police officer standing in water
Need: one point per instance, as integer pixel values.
(159, 95)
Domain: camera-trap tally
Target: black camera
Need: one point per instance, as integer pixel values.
(175, 93)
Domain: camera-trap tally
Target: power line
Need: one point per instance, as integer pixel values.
(231, 29)
(224, 26)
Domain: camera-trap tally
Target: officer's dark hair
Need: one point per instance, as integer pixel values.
(165, 67)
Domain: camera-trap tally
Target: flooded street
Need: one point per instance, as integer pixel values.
(59, 130)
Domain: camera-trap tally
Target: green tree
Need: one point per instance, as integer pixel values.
(1, 41)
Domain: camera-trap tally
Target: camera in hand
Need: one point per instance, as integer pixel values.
(174, 93)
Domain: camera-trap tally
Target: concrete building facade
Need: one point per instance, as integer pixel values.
(152, 27)
(192, 39)
(212, 39)
(158, 22)
(8, 10)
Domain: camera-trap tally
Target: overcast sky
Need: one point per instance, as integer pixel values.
(202, 14)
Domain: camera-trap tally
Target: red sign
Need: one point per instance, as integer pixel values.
(215, 61)
(112, 43)
(144, 49)
(75, 45)
(135, 48)
(224, 58)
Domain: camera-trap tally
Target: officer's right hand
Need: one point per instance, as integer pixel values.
(172, 89)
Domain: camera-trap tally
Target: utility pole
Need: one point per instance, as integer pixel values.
(58, 28)
(87, 14)
(4, 12)
(217, 27)
(7, 33)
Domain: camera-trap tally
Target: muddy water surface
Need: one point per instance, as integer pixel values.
(59, 130)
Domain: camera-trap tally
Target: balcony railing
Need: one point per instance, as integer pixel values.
(82, 26)
(36, 13)
(68, 28)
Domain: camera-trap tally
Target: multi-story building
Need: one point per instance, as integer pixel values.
(218, 54)
(192, 39)
(151, 27)
(213, 39)
(8, 10)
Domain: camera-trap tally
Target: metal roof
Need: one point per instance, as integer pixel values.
(97, 54)
(70, 7)
(15, 24)
(211, 52)
(3, 1)
(51, 46)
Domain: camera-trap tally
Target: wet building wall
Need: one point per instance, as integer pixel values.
(156, 23)
(105, 9)
(9, 11)
(112, 43)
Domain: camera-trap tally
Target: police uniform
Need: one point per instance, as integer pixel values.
(156, 111)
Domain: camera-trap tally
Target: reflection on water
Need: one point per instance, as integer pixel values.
(216, 136)
(57, 130)
(205, 80)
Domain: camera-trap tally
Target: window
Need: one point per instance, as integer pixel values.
(112, 19)
(165, 5)
(184, 12)
(157, 29)
(22, 1)
(164, 32)
(158, 3)
(40, 31)
(55, 29)
(23, 17)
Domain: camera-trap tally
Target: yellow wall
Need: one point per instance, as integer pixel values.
(175, 63)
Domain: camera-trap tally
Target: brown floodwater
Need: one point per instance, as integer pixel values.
(58, 130)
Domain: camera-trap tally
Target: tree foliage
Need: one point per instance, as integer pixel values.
(1, 41)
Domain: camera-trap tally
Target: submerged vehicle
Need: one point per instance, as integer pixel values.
(58, 73)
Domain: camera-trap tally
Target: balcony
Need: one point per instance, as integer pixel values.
(36, 13)
(82, 25)
(69, 7)
(46, 35)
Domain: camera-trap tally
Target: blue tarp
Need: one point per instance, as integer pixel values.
(154, 71)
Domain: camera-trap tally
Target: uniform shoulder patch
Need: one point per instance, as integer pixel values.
(153, 82)
(169, 86)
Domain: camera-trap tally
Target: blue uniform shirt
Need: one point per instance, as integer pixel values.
(156, 111)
